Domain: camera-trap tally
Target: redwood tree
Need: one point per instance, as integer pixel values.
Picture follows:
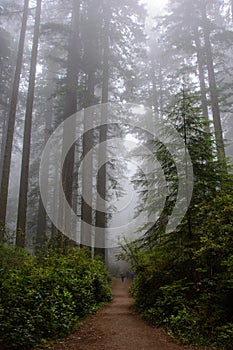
(11, 124)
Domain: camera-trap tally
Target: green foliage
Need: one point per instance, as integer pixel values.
(44, 297)
(186, 118)
(184, 280)
(190, 294)
(191, 298)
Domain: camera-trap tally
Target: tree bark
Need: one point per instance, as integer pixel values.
(41, 221)
(3, 141)
(87, 181)
(11, 125)
(70, 109)
(213, 87)
(101, 216)
(23, 190)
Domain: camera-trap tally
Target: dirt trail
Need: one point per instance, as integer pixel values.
(117, 327)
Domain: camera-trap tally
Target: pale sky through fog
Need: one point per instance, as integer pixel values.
(154, 5)
(154, 8)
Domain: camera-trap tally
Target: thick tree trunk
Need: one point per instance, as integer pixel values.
(71, 108)
(23, 190)
(87, 174)
(213, 87)
(101, 216)
(11, 125)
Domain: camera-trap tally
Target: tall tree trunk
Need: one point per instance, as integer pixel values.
(41, 221)
(23, 190)
(101, 217)
(56, 207)
(87, 180)
(201, 75)
(70, 109)
(75, 194)
(3, 141)
(11, 125)
(213, 86)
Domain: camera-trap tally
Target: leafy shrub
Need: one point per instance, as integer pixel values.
(225, 333)
(188, 288)
(42, 298)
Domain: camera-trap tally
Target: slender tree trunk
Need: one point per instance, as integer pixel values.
(41, 220)
(11, 125)
(3, 141)
(42, 215)
(213, 87)
(101, 217)
(75, 194)
(201, 75)
(23, 190)
(55, 203)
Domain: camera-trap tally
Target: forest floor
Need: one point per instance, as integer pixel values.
(117, 326)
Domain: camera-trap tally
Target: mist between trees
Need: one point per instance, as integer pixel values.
(61, 58)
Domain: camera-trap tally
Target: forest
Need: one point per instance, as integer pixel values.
(116, 144)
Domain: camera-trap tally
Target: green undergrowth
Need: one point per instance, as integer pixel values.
(44, 298)
(198, 313)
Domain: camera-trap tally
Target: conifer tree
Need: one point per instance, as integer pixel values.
(11, 125)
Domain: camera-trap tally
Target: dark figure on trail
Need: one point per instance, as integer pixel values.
(122, 276)
(132, 275)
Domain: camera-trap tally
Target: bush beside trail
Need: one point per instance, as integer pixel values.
(188, 288)
(195, 313)
(43, 298)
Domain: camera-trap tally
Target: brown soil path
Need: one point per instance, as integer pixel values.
(117, 327)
